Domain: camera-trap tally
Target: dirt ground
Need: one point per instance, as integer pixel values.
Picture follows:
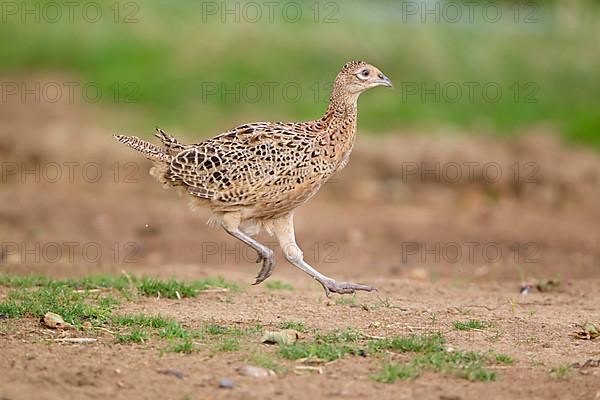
(438, 247)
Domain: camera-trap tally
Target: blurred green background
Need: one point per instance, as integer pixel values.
(162, 60)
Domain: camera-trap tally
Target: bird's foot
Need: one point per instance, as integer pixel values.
(332, 286)
(268, 265)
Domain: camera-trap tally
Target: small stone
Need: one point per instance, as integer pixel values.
(226, 383)
(419, 274)
(257, 372)
(172, 372)
(286, 336)
(55, 321)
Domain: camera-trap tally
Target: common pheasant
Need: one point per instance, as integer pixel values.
(255, 175)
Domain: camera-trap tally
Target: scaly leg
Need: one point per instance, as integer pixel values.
(284, 230)
(231, 225)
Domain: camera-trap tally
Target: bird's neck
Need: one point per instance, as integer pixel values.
(339, 127)
(342, 110)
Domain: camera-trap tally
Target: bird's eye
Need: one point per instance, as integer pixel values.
(365, 72)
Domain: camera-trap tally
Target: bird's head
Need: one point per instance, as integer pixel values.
(358, 76)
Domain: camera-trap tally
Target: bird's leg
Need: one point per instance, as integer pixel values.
(231, 226)
(284, 230)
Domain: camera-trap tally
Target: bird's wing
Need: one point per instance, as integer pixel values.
(238, 165)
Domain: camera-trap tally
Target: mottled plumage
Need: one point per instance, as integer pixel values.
(257, 174)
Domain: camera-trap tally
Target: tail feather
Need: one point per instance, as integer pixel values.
(149, 150)
(172, 144)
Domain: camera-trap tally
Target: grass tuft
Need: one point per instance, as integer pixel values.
(137, 335)
(184, 346)
(560, 372)
(279, 285)
(470, 325)
(297, 326)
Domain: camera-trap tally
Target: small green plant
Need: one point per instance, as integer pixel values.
(560, 372)
(297, 326)
(413, 344)
(470, 325)
(504, 359)
(228, 344)
(174, 288)
(213, 329)
(185, 346)
(265, 361)
(465, 365)
(340, 336)
(140, 320)
(171, 288)
(279, 285)
(174, 330)
(391, 372)
(135, 336)
(68, 303)
(346, 300)
(323, 351)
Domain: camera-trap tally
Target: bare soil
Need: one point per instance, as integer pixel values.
(378, 223)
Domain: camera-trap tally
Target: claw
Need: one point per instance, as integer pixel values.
(266, 270)
(344, 287)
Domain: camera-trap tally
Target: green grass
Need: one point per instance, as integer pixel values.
(119, 282)
(504, 359)
(470, 325)
(391, 372)
(264, 360)
(213, 329)
(560, 372)
(279, 285)
(73, 306)
(228, 344)
(465, 365)
(174, 288)
(74, 300)
(34, 296)
(319, 350)
(185, 346)
(137, 335)
(141, 320)
(414, 343)
(428, 353)
(346, 300)
(297, 326)
(145, 286)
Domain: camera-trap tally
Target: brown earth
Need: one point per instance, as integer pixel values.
(439, 249)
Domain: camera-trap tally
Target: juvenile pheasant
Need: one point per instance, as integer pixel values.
(257, 174)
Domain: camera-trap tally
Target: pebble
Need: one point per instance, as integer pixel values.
(172, 372)
(226, 383)
(257, 372)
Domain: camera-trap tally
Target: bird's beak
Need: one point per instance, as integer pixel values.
(385, 81)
